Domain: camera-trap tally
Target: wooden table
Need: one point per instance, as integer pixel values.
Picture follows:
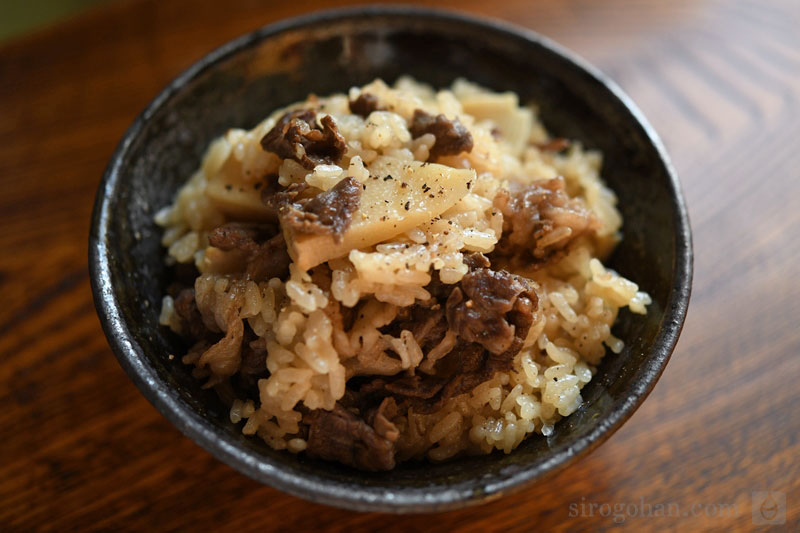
(720, 81)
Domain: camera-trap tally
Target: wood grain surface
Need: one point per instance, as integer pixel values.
(80, 448)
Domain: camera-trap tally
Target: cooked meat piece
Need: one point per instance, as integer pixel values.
(430, 329)
(469, 364)
(341, 318)
(271, 261)
(438, 290)
(364, 105)
(422, 393)
(267, 256)
(492, 308)
(254, 363)
(224, 357)
(373, 360)
(340, 435)
(452, 137)
(191, 319)
(321, 277)
(556, 144)
(245, 237)
(471, 369)
(416, 386)
(254, 354)
(422, 387)
(426, 321)
(476, 260)
(328, 212)
(271, 185)
(381, 419)
(276, 196)
(540, 220)
(220, 311)
(464, 358)
(298, 136)
(270, 190)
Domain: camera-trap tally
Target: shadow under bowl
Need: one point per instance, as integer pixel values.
(242, 82)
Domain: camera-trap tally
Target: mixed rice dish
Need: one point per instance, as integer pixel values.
(397, 273)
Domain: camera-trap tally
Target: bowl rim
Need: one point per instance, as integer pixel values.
(221, 445)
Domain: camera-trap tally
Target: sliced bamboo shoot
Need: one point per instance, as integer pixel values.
(395, 198)
(235, 189)
(503, 109)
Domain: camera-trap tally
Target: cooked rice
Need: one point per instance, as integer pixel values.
(579, 297)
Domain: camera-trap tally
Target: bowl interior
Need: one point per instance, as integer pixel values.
(239, 85)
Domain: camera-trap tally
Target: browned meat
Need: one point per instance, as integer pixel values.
(464, 368)
(540, 220)
(321, 277)
(469, 367)
(492, 308)
(476, 260)
(340, 316)
(271, 185)
(340, 435)
(271, 261)
(426, 321)
(191, 319)
(441, 291)
(254, 364)
(298, 136)
(381, 419)
(237, 235)
(275, 195)
(452, 137)
(328, 212)
(364, 105)
(416, 386)
(404, 387)
(267, 256)
(438, 290)
(254, 357)
(270, 191)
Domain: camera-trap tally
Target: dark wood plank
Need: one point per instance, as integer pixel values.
(81, 448)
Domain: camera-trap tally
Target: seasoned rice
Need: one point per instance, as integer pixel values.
(309, 356)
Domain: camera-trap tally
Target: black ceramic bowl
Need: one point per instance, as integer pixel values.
(240, 83)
